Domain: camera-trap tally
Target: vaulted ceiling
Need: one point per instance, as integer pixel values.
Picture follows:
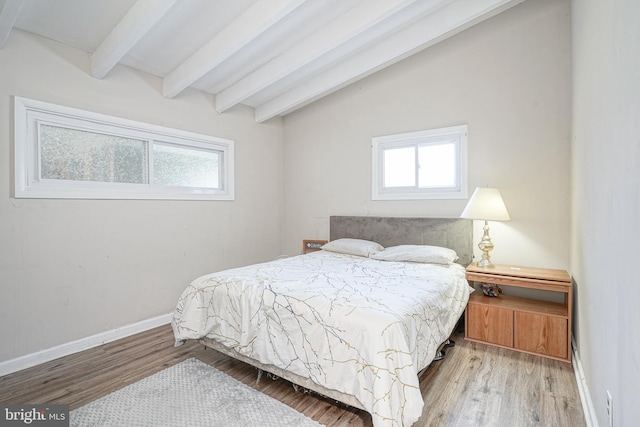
(273, 55)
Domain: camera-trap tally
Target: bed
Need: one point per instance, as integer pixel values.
(350, 321)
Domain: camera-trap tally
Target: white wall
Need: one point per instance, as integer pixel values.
(74, 268)
(606, 201)
(508, 78)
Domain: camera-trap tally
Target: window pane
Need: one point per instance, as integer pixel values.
(437, 165)
(75, 155)
(186, 167)
(399, 167)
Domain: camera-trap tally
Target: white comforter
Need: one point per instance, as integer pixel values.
(352, 324)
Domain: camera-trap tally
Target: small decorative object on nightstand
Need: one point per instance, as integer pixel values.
(523, 324)
(312, 245)
(490, 290)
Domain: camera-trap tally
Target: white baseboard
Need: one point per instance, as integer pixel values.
(583, 389)
(33, 359)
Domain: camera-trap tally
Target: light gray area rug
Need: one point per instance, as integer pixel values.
(189, 394)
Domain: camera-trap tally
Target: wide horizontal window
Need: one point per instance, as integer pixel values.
(430, 164)
(63, 152)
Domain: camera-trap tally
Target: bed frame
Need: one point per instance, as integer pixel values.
(453, 233)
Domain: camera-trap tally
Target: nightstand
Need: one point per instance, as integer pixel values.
(312, 245)
(523, 324)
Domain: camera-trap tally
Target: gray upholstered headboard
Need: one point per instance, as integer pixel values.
(452, 233)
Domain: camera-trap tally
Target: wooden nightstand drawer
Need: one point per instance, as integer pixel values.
(540, 334)
(489, 324)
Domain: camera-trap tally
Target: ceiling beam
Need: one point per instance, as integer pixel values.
(435, 27)
(124, 36)
(344, 29)
(9, 12)
(263, 15)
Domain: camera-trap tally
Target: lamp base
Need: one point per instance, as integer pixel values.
(486, 246)
(485, 263)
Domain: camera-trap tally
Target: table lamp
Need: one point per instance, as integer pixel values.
(486, 204)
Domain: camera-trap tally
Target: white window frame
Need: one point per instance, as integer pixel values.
(28, 114)
(454, 134)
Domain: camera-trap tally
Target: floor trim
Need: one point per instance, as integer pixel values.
(33, 359)
(583, 389)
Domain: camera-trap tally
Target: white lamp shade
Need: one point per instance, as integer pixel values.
(486, 204)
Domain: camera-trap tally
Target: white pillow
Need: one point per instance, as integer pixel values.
(418, 253)
(353, 247)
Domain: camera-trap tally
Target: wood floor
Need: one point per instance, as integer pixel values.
(475, 385)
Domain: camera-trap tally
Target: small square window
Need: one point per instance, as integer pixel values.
(427, 164)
